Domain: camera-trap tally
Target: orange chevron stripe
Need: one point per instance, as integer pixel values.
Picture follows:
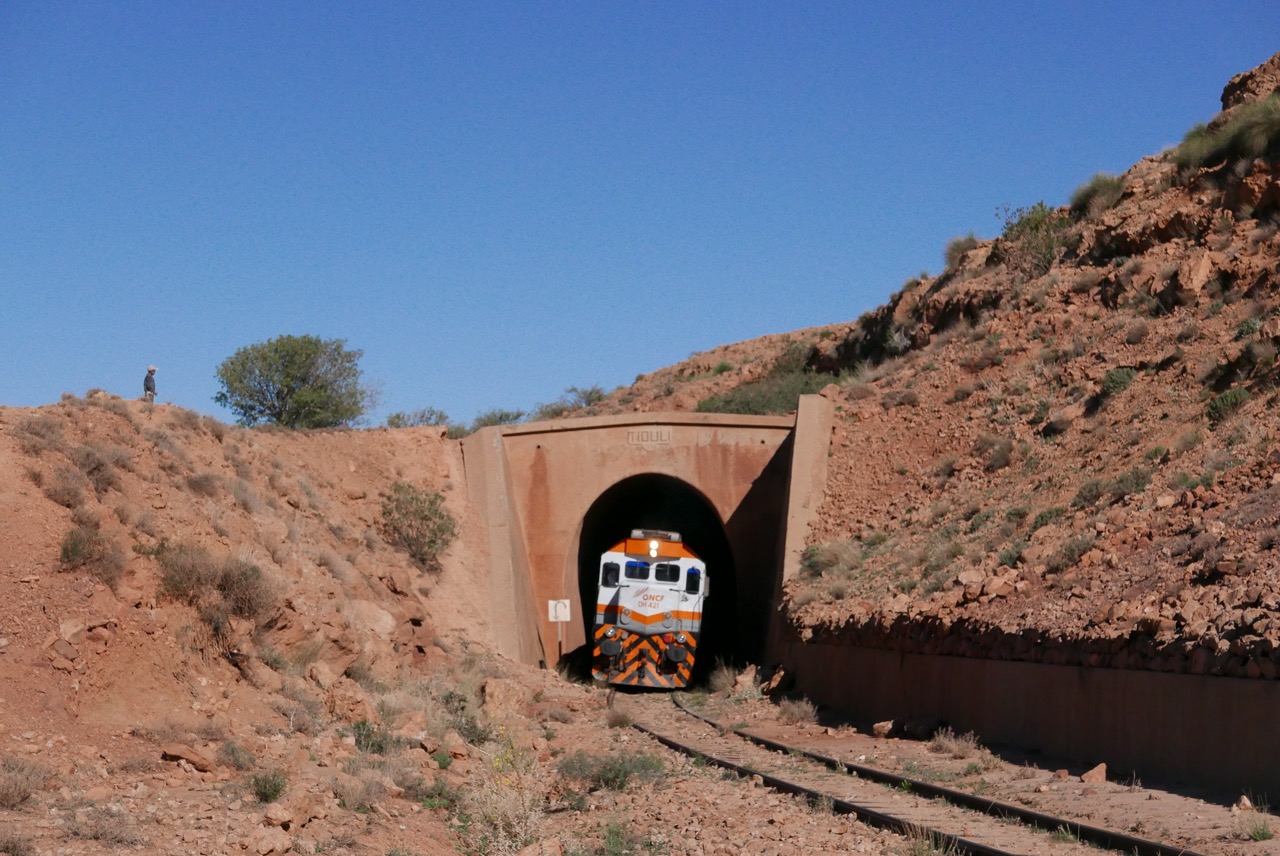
(642, 663)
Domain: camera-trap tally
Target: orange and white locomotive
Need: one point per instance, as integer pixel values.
(648, 611)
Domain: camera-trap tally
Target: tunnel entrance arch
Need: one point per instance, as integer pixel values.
(549, 494)
(656, 501)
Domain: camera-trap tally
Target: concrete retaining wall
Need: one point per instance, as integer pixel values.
(1181, 730)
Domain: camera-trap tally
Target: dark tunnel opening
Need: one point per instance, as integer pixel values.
(654, 501)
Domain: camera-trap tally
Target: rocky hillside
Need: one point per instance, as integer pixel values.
(1064, 447)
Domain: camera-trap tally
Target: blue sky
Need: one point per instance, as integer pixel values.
(495, 201)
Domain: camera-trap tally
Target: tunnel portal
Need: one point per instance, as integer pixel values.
(655, 501)
(740, 489)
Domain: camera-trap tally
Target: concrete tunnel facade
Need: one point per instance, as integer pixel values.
(741, 490)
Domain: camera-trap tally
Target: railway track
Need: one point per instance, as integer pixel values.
(954, 821)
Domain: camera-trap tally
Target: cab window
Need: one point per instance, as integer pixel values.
(665, 572)
(693, 581)
(637, 570)
(609, 574)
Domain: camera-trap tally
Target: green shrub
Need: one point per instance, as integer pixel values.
(1088, 494)
(768, 396)
(1117, 380)
(777, 392)
(619, 840)
(1133, 481)
(232, 754)
(1248, 327)
(551, 410)
(497, 416)
(416, 520)
(1046, 517)
(372, 738)
(1032, 239)
(1252, 132)
(1069, 553)
(441, 794)
(612, 772)
(957, 248)
(584, 396)
(269, 785)
(1096, 195)
(1229, 402)
(427, 416)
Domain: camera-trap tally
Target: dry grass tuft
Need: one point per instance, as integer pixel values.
(19, 780)
(67, 487)
(85, 548)
(947, 742)
(204, 484)
(507, 807)
(13, 844)
(797, 711)
(723, 677)
(38, 434)
(98, 822)
(616, 717)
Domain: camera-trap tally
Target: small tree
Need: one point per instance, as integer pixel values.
(416, 520)
(295, 382)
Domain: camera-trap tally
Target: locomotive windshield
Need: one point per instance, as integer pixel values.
(637, 570)
(610, 576)
(666, 572)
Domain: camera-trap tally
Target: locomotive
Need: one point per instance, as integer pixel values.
(649, 601)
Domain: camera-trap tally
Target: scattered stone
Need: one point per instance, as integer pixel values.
(270, 840)
(182, 752)
(1095, 776)
(278, 814)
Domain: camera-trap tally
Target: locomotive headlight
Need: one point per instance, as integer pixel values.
(611, 632)
(680, 638)
(653, 549)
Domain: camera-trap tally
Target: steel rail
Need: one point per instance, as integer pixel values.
(1097, 835)
(870, 816)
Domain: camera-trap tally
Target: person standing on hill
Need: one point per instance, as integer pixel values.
(149, 385)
